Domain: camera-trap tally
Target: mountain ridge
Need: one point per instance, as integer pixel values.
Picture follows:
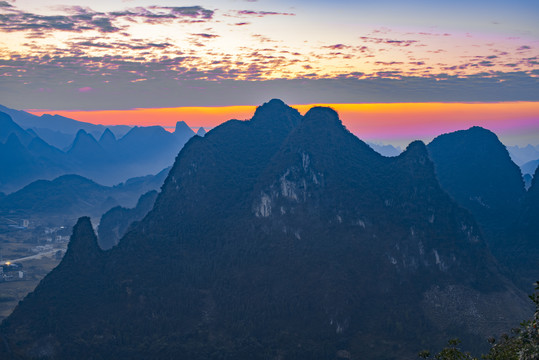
(283, 236)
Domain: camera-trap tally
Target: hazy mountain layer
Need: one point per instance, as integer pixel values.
(143, 150)
(70, 196)
(115, 222)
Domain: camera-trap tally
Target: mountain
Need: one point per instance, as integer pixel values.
(57, 123)
(279, 237)
(115, 222)
(58, 139)
(530, 167)
(107, 140)
(8, 127)
(474, 167)
(526, 239)
(522, 155)
(86, 149)
(64, 195)
(21, 165)
(27, 157)
(68, 197)
(201, 131)
(385, 149)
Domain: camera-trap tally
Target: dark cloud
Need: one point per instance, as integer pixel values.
(192, 11)
(337, 47)
(242, 23)
(206, 36)
(388, 63)
(162, 88)
(524, 47)
(486, 63)
(80, 18)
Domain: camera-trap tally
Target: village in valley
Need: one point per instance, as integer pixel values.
(28, 251)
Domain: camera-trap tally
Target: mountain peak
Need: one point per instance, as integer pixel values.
(83, 247)
(8, 126)
(182, 127)
(276, 112)
(201, 131)
(107, 136)
(322, 113)
(417, 147)
(85, 146)
(107, 139)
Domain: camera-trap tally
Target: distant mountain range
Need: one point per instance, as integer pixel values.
(522, 155)
(385, 150)
(64, 199)
(57, 130)
(287, 237)
(25, 156)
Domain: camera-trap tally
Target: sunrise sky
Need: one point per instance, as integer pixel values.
(429, 66)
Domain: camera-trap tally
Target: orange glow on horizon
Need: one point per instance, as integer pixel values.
(369, 121)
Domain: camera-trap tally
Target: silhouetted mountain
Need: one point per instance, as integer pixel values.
(183, 129)
(474, 167)
(522, 155)
(385, 150)
(58, 139)
(18, 165)
(115, 222)
(48, 153)
(144, 150)
(63, 195)
(530, 167)
(107, 140)
(526, 237)
(8, 127)
(280, 237)
(70, 196)
(60, 123)
(201, 131)
(148, 182)
(85, 148)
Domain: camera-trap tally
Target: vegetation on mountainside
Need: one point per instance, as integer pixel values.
(523, 344)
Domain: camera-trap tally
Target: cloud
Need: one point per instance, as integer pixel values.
(388, 41)
(78, 19)
(243, 13)
(336, 47)
(206, 36)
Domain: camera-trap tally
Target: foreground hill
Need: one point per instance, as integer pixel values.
(475, 168)
(280, 237)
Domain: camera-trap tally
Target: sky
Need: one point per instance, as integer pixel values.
(61, 56)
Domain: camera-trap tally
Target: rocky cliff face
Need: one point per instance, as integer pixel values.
(280, 237)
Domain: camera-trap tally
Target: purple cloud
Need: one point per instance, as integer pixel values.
(261, 13)
(80, 19)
